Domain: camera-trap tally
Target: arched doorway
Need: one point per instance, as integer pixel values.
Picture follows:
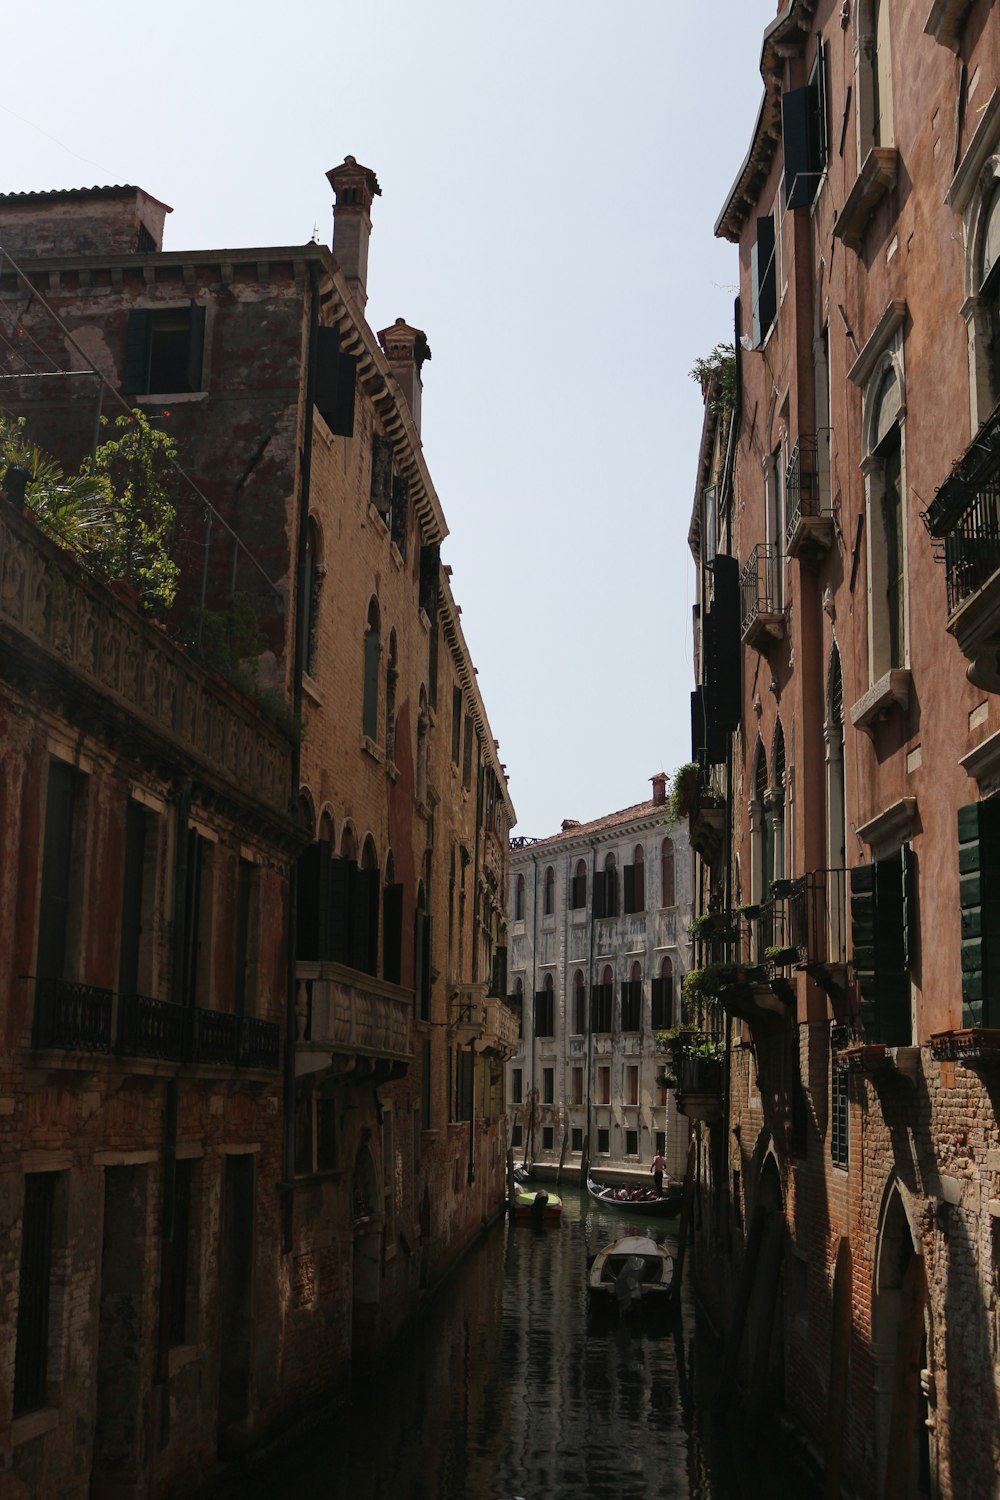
(765, 1252)
(899, 1344)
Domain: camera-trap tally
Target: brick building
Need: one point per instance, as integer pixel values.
(598, 921)
(845, 534)
(308, 537)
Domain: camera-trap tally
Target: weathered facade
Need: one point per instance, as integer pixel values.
(308, 536)
(598, 921)
(845, 536)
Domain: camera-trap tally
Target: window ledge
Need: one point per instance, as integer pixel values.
(377, 519)
(311, 689)
(175, 398)
(183, 1354)
(369, 747)
(946, 20)
(891, 691)
(396, 555)
(887, 830)
(391, 770)
(34, 1425)
(876, 178)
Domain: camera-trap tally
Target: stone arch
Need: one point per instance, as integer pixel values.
(348, 841)
(307, 810)
(899, 1313)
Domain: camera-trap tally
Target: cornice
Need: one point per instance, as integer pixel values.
(880, 338)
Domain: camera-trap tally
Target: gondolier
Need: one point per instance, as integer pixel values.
(658, 1168)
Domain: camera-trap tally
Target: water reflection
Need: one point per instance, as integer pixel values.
(514, 1387)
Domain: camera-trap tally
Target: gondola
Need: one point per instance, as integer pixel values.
(650, 1202)
(634, 1274)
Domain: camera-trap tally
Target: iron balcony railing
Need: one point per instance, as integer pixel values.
(758, 586)
(71, 1017)
(765, 930)
(972, 547)
(817, 917)
(802, 486)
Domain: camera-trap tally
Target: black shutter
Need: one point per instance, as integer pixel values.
(336, 383)
(763, 280)
(879, 950)
(338, 942)
(360, 923)
(628, 904)
(400, 511)
(800, 144)
(31, 1357)
(381, 486)
(196, 348)
(979, 902)
(722, 656)
(418, 963)
(136, 376)
(392, 934)
(598, 904)
(430, 566)
(499, 986)
(611, 892)
(373, 888)
(639, 888)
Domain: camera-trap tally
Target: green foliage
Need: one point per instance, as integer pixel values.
(137, 467)
(685, 1040)
(227, 640)
(682, 786)
(718, 371)
(704, 986)
(72, 508)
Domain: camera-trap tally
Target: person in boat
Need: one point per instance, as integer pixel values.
(538, 1206)
(622, 1192)
(658, 1168)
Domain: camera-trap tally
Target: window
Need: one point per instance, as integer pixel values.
(763, 280)
(61, 904)
(422, 956)
(761, 830)
(31, 1356)
(548, 1085)
(578, 886)
(604, 1084)
(309, 616)
(602, 1002)
(456, 725)
(245, 965)
(882, 930)
(886, 532)
(632, 1000)
(164, 350)
(548, 1138)
(576, 1139)
(660, 1141)
(605, 902)
(839, 1101)
(380, 492)
(579, 1004)
(550, 891)
(662, 1012)
(373, 652)
(775, 502)
(983, 306)
(836, 817)
(198, 911)
(576, 1081)
(182, 1256)
(391, 678)
(804, 135)
(136, 945)
(516, 1086)
(423, 727)
(631, 1143)
(545, 1009)
(603, 1141)
(467, 748)
(667, 897)
(516, 1136)
(632, 1083)
(979, 895)
(519, 899)
(336, 382)
(635, 883)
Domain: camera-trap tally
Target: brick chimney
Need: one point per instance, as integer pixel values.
(659, 788)
(406, 349)
(354, 187)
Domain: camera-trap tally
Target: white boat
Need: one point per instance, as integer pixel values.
(632, 1273)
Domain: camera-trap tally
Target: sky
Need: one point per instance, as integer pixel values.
(550, 173)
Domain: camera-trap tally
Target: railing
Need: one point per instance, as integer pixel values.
(765, 930)
(72, 1017)
(500, 1029)
(153, 1028)
(699, 1075)
(817, 917)
(802, 488)
(339, 1010)
(758, 586)
(972, 546)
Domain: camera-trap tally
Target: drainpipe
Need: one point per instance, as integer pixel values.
(589, 1034)
(471, 1167)
(534, 982)
(298, 666)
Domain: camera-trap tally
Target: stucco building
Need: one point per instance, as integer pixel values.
(308, 538)
(598, 921)
(846, 519)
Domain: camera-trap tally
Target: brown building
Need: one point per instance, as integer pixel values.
(845, 530)
(308, 539)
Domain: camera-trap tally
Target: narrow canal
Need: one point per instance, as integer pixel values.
(510, 1387)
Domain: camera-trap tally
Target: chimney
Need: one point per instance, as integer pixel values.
(568, 823)
(354, 187)
(406, 349)
(659, 788)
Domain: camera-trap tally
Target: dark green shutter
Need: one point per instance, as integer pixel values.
(196, 348)
(336, 383)
(392, 934)
(611, 892)
(979, 903)
(136, 374)
(326, 915)
(878, 936)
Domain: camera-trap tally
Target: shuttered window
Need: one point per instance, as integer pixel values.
(763, 280)
(631, 1004)
(804, 135)
(979, 902)
(602, 1007)
(578, 887)
(881, 915)
(544, 1013)
(31, 1358)
(60, 895)
(336, 383)
(380, 493)
(663, 1002)
(164, 350)
(369, 707)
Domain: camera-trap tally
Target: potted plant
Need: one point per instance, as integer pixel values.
(683, 789)
(781, 955)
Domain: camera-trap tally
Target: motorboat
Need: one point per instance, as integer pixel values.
(632, 1274)
(638, 1200)
(537, 1205)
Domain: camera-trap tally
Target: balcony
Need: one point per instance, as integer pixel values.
(699, 1087)
(964, 520)
(466, 1011)
(341, 1012)
(973, 1046)
(761, 618)
(809, 517)
(817, 929)
(500, 1029)
(72, 1017)
(707, 823)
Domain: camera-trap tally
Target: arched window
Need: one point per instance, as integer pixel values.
(988, 287)
(311, 581)
(836, 811)
(391, 676)
(606, 889)
(632, 1000)
(423, 724)
(886, 534)
(667, 897)
(550, 891)
(365, 911)
(579, 1004)
(602, 1007)
(578, 886)
(545, 1008)
(777, 790)
(519, 1004)
(392, 924)
(662, 1015)
(519, 899)
(761, 830)
(373, 651)
(635, 882)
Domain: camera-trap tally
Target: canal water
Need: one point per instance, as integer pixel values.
(511, 1387)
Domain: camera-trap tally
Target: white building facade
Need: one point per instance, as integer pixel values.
(598, 934)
